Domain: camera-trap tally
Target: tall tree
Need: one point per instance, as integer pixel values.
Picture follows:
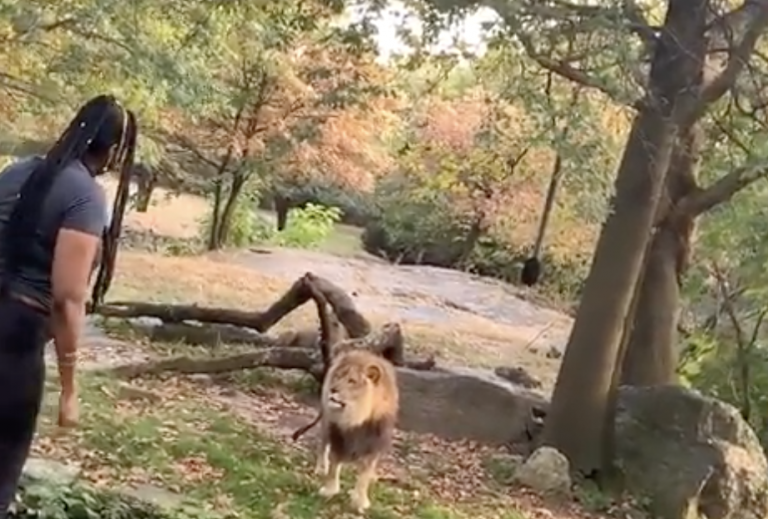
(267, 93)
(555, 35)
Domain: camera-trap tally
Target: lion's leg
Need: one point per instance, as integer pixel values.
(331, 479)
(366, 474)
(323, 455)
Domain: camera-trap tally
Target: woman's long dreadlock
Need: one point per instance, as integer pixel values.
(72, 145)
(125, 157)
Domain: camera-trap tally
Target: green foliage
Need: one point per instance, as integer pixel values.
(593, 498)
(53, 501)
(247, 227)
(726, 300)
(356, 206)
(418, 226)
(307, 227)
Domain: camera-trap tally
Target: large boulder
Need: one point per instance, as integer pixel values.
(464, 403)
(688, 455)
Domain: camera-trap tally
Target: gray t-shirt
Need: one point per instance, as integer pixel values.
(75, 201)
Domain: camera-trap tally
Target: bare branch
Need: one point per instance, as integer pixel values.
(47, 27)
(732, 137)
(747, 24)
(19, 85)
(722, 190)
(564, 69)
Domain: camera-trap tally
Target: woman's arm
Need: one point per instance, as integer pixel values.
(77, 243)
(73, 258)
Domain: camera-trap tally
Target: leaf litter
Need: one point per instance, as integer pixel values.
(454, 472)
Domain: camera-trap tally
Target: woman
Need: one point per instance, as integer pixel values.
(52, 217)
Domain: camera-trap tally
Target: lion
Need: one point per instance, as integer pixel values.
(359, 406)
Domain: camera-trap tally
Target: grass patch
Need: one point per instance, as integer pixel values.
(345, 240)
(188, 444)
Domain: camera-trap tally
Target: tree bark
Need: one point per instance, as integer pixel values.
(651, 356)
(146, 181)
(235, 190)
(577, 417)
(282, 206)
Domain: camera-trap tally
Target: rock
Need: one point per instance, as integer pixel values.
(554, 353)
(546, 471)
(519, 376)
(48, 472)
(201, 378)
(463, 403)
(154, 496)
(689, 455)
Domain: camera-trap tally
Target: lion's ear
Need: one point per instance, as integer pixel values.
(373, 373)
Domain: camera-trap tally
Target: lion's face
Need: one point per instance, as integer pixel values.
(349, 395)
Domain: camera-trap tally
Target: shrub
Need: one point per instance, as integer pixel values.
(247, 227)
(419, 226)
(307, 227)
(53, 501)
(357, 207)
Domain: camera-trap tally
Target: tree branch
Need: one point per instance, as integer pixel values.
(46, 27)
(568, 71)
(627, 15)
(722, 190)
(747, 23)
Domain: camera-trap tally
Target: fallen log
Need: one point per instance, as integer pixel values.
(214, 335)
(281, 358)
(290, 350)
(211, 335)
(299, 293)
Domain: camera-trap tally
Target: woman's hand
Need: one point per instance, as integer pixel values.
(68, 409)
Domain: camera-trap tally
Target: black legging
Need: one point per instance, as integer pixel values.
(23, 334)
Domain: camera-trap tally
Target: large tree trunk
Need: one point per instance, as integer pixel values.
(651, 356)
(235, 190)
(476, 230)
(282, 206)
(577, 418)
(146, 181)
(213, 232)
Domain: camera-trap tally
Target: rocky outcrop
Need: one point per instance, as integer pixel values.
(688, 455)
(463, 403)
